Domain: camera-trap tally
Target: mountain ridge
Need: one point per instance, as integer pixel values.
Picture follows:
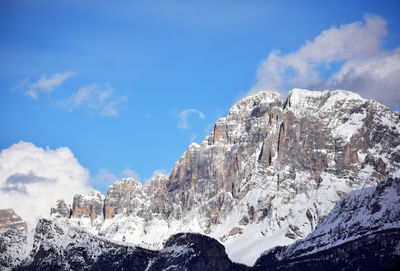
(267, 153)
(58, 245)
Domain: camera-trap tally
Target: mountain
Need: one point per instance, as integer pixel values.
(57, 245)
(265, 176)
(13, 239)
(362, 232)
(60, 246)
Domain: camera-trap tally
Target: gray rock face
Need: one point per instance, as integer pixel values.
(123, 198)
(10, 220)
(61, 209)
(90, 205)
(314, 133)
(270, 171)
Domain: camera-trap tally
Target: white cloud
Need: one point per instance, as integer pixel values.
(44, 84)
(32, 179)
(374, 78)
(184, 117)
(355, 49)
(98, 99)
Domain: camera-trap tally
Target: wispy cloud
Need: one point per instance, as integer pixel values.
(351, 57)
(183, 116)
(44, 84)
(95, 98)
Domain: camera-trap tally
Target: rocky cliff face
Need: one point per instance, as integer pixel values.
(90, 205)
(10, 220)
(266, 175)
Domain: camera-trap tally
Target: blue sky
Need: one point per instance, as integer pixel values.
(128, 85)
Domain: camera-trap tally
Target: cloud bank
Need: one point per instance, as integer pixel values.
(32, 179)
(347, 57)
(44, 84)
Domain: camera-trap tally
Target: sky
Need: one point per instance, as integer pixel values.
(93, 91)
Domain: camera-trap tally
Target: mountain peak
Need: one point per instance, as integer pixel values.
(263, 99)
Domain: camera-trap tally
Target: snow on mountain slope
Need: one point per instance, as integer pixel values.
(362, 232)
(266, 175)
(57, 245)
(363, 227)
(15, 246)
(359, 213)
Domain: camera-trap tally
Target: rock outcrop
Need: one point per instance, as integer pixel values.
(10, 220)
(124, 197)
(61, 209)
(90, 205)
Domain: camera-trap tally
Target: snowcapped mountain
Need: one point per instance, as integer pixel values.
(58, 245)
(266, 176)
(362, 232)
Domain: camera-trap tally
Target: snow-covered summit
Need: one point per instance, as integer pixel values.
(245, 106)
(303, 97)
